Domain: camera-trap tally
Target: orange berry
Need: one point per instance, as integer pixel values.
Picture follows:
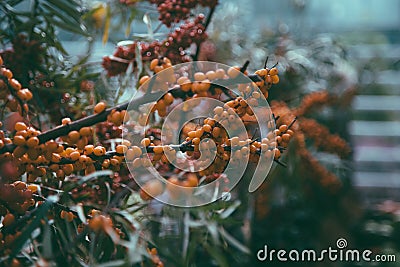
(199, 76)
(277, 153)
(121, 149)
(145, 142)
(65, 121)
(88, 150)
(275, 79)
(19, 140)
(32, 142)
(68, 169)
(15, 84)
(286, 137)
(153, 64)
(100, 107)
(158, 149)
(99, 151)
(75, 155)
(168, 98)
(85, 131)
(8, 220)
(207, 128)
(144, 79)
(273, 71)
(106, 163)
(74, 136)
(233, 72)
(20, 126)
(220, 73)
(283, 128)
(151, 188)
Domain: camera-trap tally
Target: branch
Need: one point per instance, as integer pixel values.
(134, 104)
(88, 121)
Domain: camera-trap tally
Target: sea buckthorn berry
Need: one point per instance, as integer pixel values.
(74, 136)
(116, 117)
(207, 128)
(151, 189)
(125, 117)
(130, 154)
(32, 142)
(168, 98)
(144, 79)
(121, 149)
(15, 84)
(196, 141)
(273, 71)
(158, 149)
(20, 126)
(65, 121)
(261, 72)
(24, 94)
(277, 153)
(106, 163)
(233, 72)
(216, 132)
(19, 185)
(137, 151)
(55, 157)
(88, 149)
(286, 137)
(218, 110)
(211, 75)
(99, 151)
(220, 73)
(275, 79)
(75, 155)
(100, 107)
(8, 220)
(51, 146)
(33, 187)
(19, 140)
(199, 76)
(283, 128)
(85, 131)
(145, 142)
(290, 132)
(114, 162)
(153, 64)
(191, 134)
(54, 167)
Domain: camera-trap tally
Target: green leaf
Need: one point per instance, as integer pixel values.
(233, 241)
(216, 253)
(107, 24)
(70, 8)
(132, 16)
(39, 214)
(67, 27)
(112, 263)
(226, 213)
(147, 21)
